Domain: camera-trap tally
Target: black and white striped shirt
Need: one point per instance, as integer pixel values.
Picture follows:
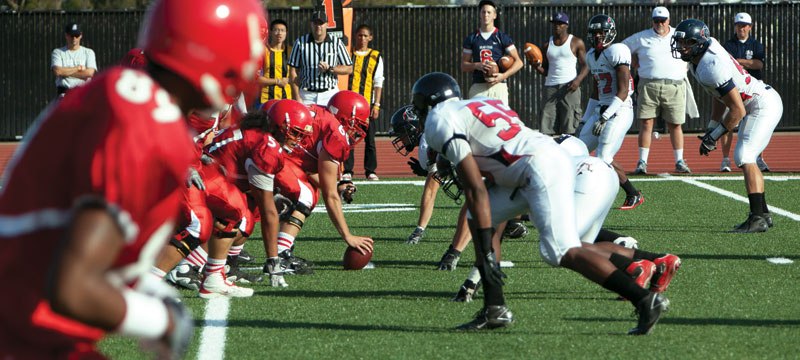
(306, 55)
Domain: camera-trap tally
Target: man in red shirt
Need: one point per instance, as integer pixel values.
(96, 186)
(314, 165)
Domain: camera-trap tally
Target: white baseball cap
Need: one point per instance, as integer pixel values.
(742, 18)
(660, 12)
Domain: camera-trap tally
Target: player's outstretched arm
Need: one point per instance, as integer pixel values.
(269, 219)
(328, 180)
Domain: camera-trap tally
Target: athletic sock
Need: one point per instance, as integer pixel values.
(620, 261)
(492, 295)
(756, 203)
(158, 272)
(474, 275)
(629, 189)
(621, 283)
(420, 228)
(197, 257)
(644, 153)
(764, 202)
(215, 265)
(235, 250)
(607, 236)
(285, 242)
(646, 255)
(678, 154)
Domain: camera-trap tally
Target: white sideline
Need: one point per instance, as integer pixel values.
(726, 193)
(664, 177)
(212, 339)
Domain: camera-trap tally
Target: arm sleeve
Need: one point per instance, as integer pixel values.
(621, 56)
(507, 41)
(631, 42)
(55, 58)
(294, 56)
(259, 178)
(467, 45)
(342, 55)
(758, 51)
(91, 62)
(712, 78)
(378, 79)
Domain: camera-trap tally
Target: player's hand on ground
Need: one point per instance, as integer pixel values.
(362, 243)
(492, 270)
(346, 191)
(195, 180)
(707, 143)
(417, 168)
(599, 125)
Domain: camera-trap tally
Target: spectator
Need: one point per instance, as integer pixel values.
(750, 54)
(661, 89)
(367, 80)
(486, 45)
(274, 77)
(72, 64)
(562, 87)
(315, 62)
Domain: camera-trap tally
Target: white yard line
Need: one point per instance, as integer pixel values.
(664, 177)
(726, 193)
(212, 339)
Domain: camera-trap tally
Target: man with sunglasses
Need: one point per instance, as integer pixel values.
(662, 87)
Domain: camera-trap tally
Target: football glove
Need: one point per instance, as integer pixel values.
(417, 168)
(598, 126)
(491, 268)
(708, 142)
(195, 180)
(346, 190)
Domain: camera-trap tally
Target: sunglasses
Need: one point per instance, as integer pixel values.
(659, 20)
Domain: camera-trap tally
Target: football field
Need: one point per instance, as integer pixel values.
(735, 295)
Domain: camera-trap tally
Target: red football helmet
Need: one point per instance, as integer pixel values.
(292, 119)
(214, 44)
(263, 29)
(267, 105)
(134, 59)
(352, 111)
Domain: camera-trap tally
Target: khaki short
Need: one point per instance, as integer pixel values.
(665, 98)
(498, 91)
(561, 111)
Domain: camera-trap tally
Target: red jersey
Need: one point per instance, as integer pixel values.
(235, 148)
(328, 134)
(119, 142)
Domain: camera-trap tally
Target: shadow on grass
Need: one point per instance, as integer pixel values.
(704, 321)
(358, 294)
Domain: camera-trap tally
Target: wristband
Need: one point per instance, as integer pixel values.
(145, 316)
(718, 132)
(612, 108)
(377, 105)
(485, 237)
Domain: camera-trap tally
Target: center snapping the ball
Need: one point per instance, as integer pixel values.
(354, 259)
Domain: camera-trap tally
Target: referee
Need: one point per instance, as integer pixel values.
(316, 61)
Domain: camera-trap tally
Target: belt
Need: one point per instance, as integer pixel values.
(62, 89)
(317, 91)
(664, 81)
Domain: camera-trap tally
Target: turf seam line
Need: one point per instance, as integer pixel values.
(212, 339)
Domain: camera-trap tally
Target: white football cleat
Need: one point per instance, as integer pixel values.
(216, 285)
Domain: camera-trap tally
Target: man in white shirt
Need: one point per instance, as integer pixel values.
(73, 64)
(662, 88)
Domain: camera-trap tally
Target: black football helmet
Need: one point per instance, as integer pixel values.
(430, 90)
(447, 177)
(605, 24)
(406, 129)
(692, 35)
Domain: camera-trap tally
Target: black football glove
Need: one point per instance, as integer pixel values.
(491, 268)
(346, 190)
(707, 143)
(417, 168)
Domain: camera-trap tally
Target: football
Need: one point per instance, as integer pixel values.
(533, 54)
(495, 69)
(354, 259)
(505, 63)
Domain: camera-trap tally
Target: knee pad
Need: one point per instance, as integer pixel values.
(229, 231)
(295, 222)
(184, 242)
(303, 209)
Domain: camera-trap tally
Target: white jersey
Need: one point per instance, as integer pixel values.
(604, 71)
(490, 131)
(718, 72)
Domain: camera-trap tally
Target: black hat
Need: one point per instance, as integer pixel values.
(319, 16)
(73, 29)
(487, 2)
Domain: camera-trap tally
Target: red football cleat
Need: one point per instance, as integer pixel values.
(642, 271)
(666, 266)
(632, 201)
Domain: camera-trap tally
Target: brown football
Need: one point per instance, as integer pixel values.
(533, 54)
(495, 69)
(505, 63)
(354, 259)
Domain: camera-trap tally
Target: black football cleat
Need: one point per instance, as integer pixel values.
(245, 257)
(235, 274)
(467, 291)
(515, 229)
(766, 216)
(298, 265)
(649, 310)
(753, 224)
(490, 317)
(632, 201)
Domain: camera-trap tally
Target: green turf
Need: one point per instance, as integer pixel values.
(727, 301)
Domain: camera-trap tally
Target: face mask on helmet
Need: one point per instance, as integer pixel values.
(447, 177)
(292, 122)
(601, 31)
(352, 111)
(405, 126)
(690, 40)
